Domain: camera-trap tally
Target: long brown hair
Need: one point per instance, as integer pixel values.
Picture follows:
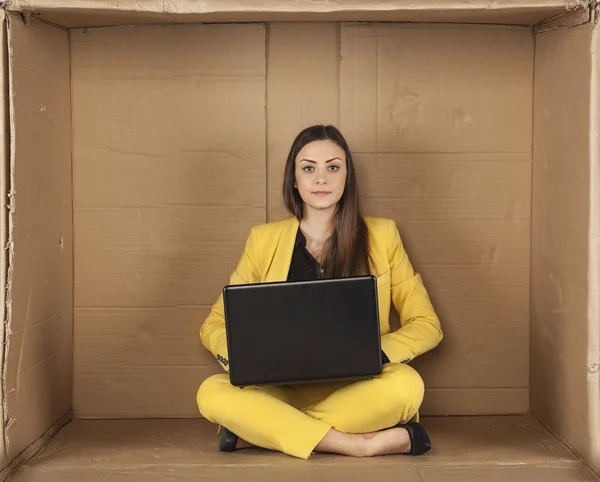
(346, 252)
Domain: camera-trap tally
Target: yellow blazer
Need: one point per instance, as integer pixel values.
(267, 257)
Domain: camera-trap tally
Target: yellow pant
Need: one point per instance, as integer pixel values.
(293, 419)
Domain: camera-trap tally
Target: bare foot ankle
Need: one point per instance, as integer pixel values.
(352, 444)
(388, 442)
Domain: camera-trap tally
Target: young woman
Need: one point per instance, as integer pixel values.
(327, 237)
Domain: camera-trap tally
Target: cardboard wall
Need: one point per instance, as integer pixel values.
(302, 90)
(169, 175)
(171, 168)
(564, 209)
(38, 365)
(439, 119)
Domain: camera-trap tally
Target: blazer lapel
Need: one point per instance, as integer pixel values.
(283, 252)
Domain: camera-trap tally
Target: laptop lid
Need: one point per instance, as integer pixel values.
(290, 332)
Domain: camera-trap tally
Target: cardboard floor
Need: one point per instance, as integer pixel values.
(482, 449)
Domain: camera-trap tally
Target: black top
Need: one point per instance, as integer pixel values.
(304, 267)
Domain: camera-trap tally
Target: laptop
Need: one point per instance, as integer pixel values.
(302, 331)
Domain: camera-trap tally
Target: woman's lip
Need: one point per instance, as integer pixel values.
(321, 193)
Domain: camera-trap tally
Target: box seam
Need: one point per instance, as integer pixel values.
(72, 223)
(531, 198)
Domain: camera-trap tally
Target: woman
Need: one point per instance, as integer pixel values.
(327, 237)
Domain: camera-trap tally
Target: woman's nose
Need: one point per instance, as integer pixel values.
(321, 179)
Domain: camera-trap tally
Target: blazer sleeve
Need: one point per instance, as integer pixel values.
(420, 329)
(212, 332)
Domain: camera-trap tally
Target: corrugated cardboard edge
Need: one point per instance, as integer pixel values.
(593, 367)
(571, 18)
(305, 6)
(35, 447)
(5, 210)
(10, 240)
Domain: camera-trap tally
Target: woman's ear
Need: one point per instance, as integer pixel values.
(295, 185)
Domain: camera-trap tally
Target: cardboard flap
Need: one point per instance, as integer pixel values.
(38, 359)
(565, 238)
(88, 13)
(593, 365)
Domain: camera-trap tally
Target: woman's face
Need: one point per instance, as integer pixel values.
(321, 174)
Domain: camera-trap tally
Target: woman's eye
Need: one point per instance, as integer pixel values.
(333, 168)
(308, 168)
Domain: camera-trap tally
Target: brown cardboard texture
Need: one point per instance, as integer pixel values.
(304, 95)
(144, 123)
(564, 294)
(142, 153)
(405, 130)
(135, 258)
(175, 450)
(38, 361)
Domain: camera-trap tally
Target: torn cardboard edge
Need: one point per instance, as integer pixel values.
(8, 167)
(571, 18)
(7, 209)
(593, 311)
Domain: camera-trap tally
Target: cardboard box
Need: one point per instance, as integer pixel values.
(142, 140)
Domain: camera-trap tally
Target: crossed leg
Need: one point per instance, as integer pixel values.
(298, 420)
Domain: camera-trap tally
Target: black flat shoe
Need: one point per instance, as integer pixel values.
(419, 440)
(227, 440)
